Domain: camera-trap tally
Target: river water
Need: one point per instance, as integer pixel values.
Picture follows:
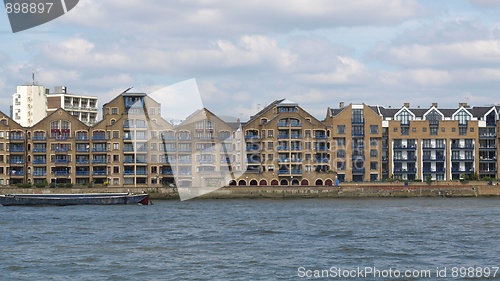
(308, 239)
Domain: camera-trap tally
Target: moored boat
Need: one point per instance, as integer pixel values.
(74, 199)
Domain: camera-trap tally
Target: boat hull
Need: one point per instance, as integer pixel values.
(73, 199)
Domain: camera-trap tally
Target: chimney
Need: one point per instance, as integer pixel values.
(464, 104)
(435, 104)
(407, 104)
(341, 104)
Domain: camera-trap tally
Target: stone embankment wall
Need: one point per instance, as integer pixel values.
(351, 190)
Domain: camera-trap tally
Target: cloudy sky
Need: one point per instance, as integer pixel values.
(245, 54)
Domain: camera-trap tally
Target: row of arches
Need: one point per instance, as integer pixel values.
(281, 182)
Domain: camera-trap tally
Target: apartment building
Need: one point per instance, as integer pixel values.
(83, 107)
(281, 145)
(28, 104)
(285, 145)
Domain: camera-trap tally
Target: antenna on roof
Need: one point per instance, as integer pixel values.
(33, 77)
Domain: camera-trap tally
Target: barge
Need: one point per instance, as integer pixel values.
(74, 199)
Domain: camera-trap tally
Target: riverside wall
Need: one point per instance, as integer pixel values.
(347, 190)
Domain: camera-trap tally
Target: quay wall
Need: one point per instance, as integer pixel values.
(350, 190)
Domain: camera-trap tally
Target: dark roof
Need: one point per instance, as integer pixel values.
(265, 109)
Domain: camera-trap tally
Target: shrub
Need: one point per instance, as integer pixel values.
(41, 184)
(60, 185)
(428, 179)
(69, 185)
(26, 185)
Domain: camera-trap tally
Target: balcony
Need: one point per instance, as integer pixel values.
(438, 158)
(82, 138)
(17, 161)
(167, 172)
(82, 173)
(128, 160)
(320, 137)
(184, 138)
(99, 173)
(98, 137)
(296, 136)
(82, 149)
(283, 172)
(62, 161)
(39, 161)
(39, 138)
(283, 136)
(128, 148)
(128, 172)
(16, 149)
(98, 161)
(61, 149)
(436, 147)
(470, 146)
(16, 137)
(404, 147)
(358, 170)
(141, 172)
(61, 173)
(296, 172)
(15, 173)
(99, 149)
(434, 170)
(82, 161)
(320, 148)
(403, 159)
(39, 174)
(283, 148)
(405, 171)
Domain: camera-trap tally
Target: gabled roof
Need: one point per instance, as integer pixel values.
(264, 110)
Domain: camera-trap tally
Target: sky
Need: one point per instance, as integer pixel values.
(246, 54)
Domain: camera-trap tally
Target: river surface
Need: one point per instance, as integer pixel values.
(307, 239)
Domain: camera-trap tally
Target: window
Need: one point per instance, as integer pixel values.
(340, 129)
(116, 134)
(357, 116)
(443, 129)
(471, 130)
(116, 146)
(414, 130)
(154, 146)
(357, 130)
(434, 130)
(199, 125)
(340, 153)
(373, 165)
(373, 153)
(463, 117)
(270, 157)
(373, 129)
(424, 130)
(152, 111)
(373, 142)
(107, 110)
(341, 166)
(116, 158)
(270, 145)
(405, 131)
(116, 170)
(404, 117)
(433, 117)
(462, 130)
(270, 133)
(453, 129)
(395, 129)
(114, 110)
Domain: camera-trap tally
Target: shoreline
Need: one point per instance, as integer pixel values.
(350, 190)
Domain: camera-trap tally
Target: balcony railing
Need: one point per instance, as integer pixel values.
(61, 173)
(16, 161)
(39, 149)
(39, 138)
(98, 137)
(39, 174)
(99, 173)
(16, 149)
(98, 161)
(39, 161)
(82, 173)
